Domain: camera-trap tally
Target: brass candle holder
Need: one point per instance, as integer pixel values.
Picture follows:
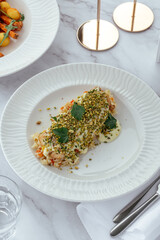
(133, 16)
(97, 34)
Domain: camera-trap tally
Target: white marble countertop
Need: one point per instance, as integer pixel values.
(43, 217)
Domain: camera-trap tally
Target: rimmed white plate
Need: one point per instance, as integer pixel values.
(39, 30)
(116, 167)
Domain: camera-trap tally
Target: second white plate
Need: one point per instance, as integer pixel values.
(116, 167)
(39, 30)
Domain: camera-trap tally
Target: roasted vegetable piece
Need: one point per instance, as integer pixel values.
(4, 6)
(13, 13)
(5, 42)
(7, 20)
(1, 55)
(11, 33)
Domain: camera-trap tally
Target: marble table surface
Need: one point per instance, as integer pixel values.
(43, 217)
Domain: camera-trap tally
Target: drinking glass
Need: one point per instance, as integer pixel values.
(10, 205)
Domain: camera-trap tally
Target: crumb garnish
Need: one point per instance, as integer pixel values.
(38, 122)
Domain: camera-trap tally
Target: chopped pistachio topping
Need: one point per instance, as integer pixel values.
(76, 129)
(80, 134)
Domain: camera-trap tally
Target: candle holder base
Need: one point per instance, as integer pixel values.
(133, 17)
(97, 35)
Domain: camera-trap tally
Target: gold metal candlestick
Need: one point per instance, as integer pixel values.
(133, 16)
(97, 34)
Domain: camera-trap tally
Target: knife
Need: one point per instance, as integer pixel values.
(129, 207)
(132, 216)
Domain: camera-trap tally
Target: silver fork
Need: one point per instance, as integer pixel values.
(132, 216)
(129, 207)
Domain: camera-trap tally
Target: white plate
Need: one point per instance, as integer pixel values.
(116, 167)
(38, 32)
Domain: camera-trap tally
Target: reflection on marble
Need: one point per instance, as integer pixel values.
(43, 217)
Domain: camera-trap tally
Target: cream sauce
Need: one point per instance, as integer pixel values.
(112, 135)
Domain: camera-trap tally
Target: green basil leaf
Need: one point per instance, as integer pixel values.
(22, 18)
(62, 133)
(77, 111)
(110, 122)
(55, 118)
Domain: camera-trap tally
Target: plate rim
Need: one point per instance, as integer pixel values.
(57, 67)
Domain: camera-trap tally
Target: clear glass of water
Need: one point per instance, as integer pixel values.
(10, 206)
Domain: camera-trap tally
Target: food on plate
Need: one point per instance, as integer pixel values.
(81, 124)
(13, 13)
(11, 20)
(6, 41)
(4, 6)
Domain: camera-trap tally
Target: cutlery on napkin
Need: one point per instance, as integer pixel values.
(130, 206)
(132, 216)
(97, 219)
